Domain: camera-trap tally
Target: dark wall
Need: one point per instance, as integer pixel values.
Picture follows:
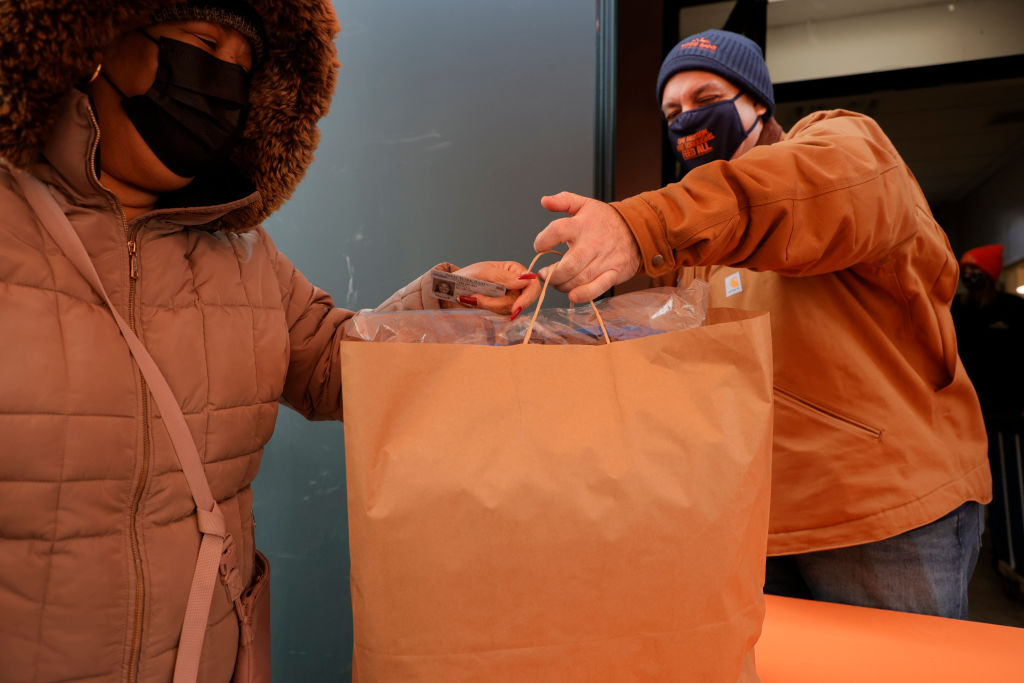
(992, 213)
(639, 127)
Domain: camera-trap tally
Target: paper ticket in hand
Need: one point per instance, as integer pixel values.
(450, 287)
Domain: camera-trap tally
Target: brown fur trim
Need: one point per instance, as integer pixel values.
(49, 46)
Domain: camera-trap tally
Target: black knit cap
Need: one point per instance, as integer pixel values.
(730, 55)
(231, 13)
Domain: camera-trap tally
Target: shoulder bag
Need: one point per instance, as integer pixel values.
(217, 554)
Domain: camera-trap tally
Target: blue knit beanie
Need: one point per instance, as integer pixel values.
(730, 55)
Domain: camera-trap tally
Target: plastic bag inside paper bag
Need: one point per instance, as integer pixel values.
(628, 316)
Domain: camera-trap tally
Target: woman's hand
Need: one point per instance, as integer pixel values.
(522, 291)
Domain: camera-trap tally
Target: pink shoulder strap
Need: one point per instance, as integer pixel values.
(211, 518)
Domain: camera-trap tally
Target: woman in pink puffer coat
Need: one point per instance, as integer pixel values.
(208, 115)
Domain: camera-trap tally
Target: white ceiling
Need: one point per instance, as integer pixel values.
(784, 12)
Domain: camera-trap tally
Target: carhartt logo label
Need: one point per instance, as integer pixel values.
(696, 145)
(701, 43)
(733, 284)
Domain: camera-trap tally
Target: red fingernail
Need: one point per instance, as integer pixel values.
(468, 300)
(515, 313)
(528, 276)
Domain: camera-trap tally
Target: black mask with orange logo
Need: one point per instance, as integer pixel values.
(707, 134)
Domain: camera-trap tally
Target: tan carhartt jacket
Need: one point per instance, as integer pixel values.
(877, 427)
(98, 532)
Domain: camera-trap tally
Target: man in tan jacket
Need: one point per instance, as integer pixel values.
(879, 461)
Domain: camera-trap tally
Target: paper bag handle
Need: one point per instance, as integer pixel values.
(544, 291)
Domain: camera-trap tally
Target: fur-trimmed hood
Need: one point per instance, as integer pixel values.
(46, 48)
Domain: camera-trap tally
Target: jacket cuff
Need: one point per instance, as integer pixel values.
(429, 302)
(648, 228)
(416, 296)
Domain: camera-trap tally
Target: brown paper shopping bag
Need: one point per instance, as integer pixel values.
(560, 513)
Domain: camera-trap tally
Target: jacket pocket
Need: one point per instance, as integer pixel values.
(830, 417)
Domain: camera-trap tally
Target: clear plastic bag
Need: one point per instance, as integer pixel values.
(628, 316)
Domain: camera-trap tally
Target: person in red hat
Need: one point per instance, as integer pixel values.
(990, 337)
(990, 333)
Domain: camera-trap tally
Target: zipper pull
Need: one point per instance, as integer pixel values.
(133, 260)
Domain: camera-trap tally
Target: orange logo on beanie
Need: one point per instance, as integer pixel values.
(701, 43)
(696, 145)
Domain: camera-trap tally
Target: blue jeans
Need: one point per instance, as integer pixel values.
(925, 570)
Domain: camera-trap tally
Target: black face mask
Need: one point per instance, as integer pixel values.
(194, 112)
(974, 280)
(708, 133)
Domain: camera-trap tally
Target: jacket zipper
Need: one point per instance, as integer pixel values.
(848, 422)
(133, 513)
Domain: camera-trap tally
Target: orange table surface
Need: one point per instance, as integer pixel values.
(820, 642)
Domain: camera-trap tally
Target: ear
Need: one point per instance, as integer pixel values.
(760, 109)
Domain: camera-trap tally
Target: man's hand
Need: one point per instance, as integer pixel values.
(602, 251)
